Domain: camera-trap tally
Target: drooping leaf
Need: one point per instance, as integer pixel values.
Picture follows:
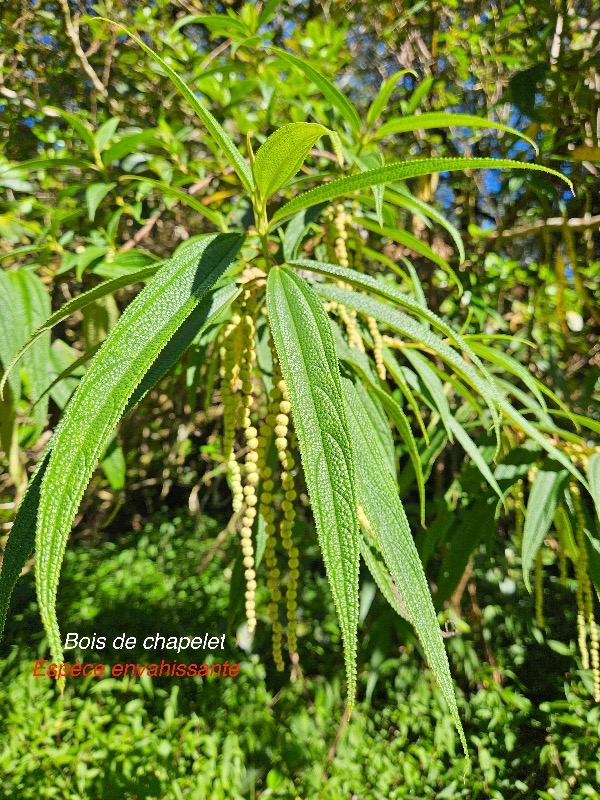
(78, 124)
(541, 505)
(407, 326)
(126, 145)
(133, 345)
(220, 24)
(414, 243)
(391, 173)
(21, 537)
(400, 196)
(437, 119)
(306, 350)
(379, 498)
(431, 384)
(366, 282)
(220, 136)
(282, 155)
(202, 316)
(474, 453)
(360, 363)
(383, 579)
(332, 93)
(511, 413)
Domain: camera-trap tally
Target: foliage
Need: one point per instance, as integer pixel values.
(153, 739)
(364, 325)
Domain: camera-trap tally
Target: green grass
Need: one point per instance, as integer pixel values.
(261, 735)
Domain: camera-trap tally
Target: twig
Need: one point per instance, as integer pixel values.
(333, 748)
(143, 231)
(586, 223)
(72, 29)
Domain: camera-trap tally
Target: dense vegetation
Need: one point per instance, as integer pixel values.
(459, 366)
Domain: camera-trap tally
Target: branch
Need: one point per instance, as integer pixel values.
(587, 223)
(73, 34)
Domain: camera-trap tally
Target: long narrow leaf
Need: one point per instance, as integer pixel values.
(366, 282)
(379, 497)
(306, 351)
(183, 197)
(407, 326)
(593, 472)
(21, 538)
(100, 399)
(331, 92)
(437, 119)
(398, 172)
(541, 505)
(473, 452)
(413, 243)
(220, 136)
(383, 95)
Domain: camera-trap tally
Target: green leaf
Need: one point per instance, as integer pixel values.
(369, 284)
(433, 385)
(295, 230)
(398, 172)
(113, 463)
(419, 94)
(220, 24)
(198, 321)
(527, 427)
(512, 366)
(306, 350)
(220, 136)
(126, 145)
(383, 579)
(593, 472)
(105, 133)
(94, 195)
(77, 123)
(379, 498)
(35, 164)
(383, 95)
(437, 119)
(76, 304)
(360, 363)
(24, 303)
(331, 92)
(21, 537)
(541, 505)
(415, 244)
(473, 525)
(474, 453)
(400, 196)
(407, 326)
(282, 155)
(143, 330)
(187, 199)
